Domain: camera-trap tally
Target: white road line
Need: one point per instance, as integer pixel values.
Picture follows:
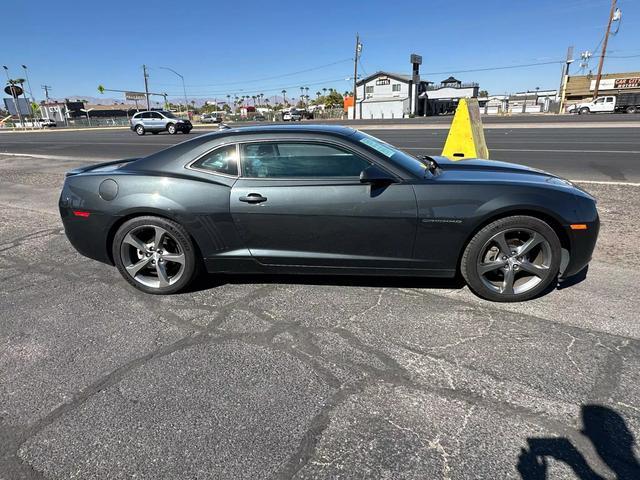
(636, 152)
(599, 182)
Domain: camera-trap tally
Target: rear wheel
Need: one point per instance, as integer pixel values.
(140, 130)
(171, 128)
(584, 111)
(155, 255)
(512, 259)
(632, 109)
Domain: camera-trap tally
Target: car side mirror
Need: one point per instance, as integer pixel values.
(376, 176)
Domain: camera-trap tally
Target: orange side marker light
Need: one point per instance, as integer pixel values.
(578, 226)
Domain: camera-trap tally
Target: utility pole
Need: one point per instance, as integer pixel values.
(565, 78)
(355, 73)
(46, 89)
(146, 85)
(604, 48)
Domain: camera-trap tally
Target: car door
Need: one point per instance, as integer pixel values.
(157, 121)
(609, 104)
(301, 203)
(598, 105)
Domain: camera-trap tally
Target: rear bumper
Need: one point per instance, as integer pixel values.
(582, 243)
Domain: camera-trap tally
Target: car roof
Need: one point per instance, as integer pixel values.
(319, 129)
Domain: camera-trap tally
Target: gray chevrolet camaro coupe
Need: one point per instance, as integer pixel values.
(327, 200)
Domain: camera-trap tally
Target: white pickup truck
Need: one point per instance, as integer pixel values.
(624, 102)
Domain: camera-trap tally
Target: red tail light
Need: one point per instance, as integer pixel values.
(80, 213)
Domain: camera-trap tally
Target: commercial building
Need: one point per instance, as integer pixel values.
(579, 88)
(397, 95)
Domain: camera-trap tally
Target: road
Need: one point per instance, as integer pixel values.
(595, 154)
(311, 377)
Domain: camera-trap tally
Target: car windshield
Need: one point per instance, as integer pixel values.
(406, 161)
(168, 114)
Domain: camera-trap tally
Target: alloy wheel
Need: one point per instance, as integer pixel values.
(514, 261)
(152, 256)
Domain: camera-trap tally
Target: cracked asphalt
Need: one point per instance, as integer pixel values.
(308, 377)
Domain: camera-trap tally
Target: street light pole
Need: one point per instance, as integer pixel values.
(33, 100)
(184, 88)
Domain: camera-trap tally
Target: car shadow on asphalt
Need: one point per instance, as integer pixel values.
(206, 281)
(579, 277)
(607, 431)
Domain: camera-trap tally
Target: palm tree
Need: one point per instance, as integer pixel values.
(317, 95)
(254, 99)
(284, 97)
(324, 91)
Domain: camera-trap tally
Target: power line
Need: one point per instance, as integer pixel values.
(274, 77)
(274, 89)
(488, 69)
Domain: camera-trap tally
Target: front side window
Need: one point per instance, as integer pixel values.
(299, 160)
(221, 160)
(600, 100)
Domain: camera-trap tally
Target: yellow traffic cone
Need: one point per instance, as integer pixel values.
(466, 135)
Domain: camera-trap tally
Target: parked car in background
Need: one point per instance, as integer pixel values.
(622, 103)
(156, 121)
(214, 117)
(327, 200)
(291, 116)
(46, 123)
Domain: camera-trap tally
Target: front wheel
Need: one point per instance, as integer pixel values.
(155, 255)
(512, 259)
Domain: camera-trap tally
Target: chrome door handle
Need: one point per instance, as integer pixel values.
(253, 198)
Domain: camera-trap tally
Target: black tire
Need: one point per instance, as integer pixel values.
(584, 111)
(176, 241)
(474, 257)
(632, 109)
(140, 130)
(171, 128)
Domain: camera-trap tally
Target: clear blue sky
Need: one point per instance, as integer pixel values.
(229, 46)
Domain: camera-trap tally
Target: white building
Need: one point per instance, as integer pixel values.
(393, 95)
(383, 95)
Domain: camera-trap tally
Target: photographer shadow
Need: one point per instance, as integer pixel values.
(611, 439)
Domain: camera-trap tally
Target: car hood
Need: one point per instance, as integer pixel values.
(478, 170)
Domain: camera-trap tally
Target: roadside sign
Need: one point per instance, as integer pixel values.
(23, 106)
(13, 90)
(135, 96)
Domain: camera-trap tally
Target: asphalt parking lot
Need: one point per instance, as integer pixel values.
(313, 377)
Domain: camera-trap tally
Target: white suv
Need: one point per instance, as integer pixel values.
(157, 121)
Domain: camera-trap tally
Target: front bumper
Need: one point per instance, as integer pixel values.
(581, 246)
